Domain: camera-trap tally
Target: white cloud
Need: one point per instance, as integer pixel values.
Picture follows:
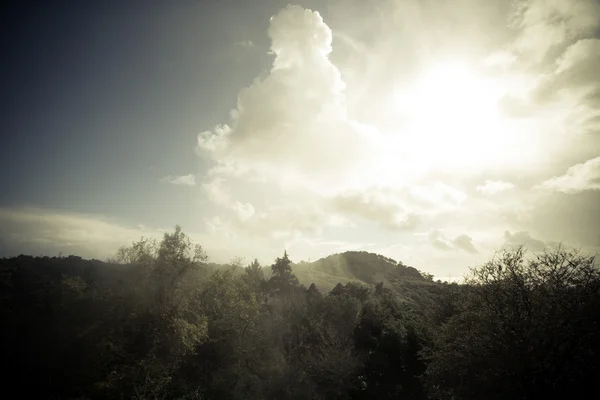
(216, 192)
(400, 208)
(248, 44)
(290, 221)
(183, 180)
(546, 25)
(578, 178)
(523, 238)
(439, 241)
(437, 196)
(583, 56)
(213, 141)
(490, 188)
(244, 210)
(560, 38)
(465, 242)
(499, 59)
(293, 124)
(575, 75)
(375, 207)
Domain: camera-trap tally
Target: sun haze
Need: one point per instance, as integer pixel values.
(434, 133)
(453, 116)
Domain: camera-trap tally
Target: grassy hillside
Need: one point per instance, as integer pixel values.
(353, 266)
(368, 269)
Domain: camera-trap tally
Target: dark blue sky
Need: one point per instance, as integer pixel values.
(102, 98)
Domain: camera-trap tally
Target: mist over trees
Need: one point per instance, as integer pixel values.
(158, 321)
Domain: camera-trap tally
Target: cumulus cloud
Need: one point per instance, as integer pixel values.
(375, 207)
(523, 238)
(216, 192)
(567, 218)
(442, 242)
(437, 196)
(183, 180)
(288, 222)
(499, 59)
(244, 210)
(293, 124)
(292, 129)
(578, 178)
(465, 242)
(576, 74)
(560, 38)
(439, 241)
(545, 26)
(490, 188)
(398, 208)
(280, 226)
(553, 60)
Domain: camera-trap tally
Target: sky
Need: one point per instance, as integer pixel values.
(435, 133)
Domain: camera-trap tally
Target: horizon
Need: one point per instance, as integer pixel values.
(240, 262)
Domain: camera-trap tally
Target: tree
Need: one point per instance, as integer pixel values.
(313, 293)
(283, 280)
(525, 327)
(390, 344)
(234, 361)
(254, 273)
(166, 319)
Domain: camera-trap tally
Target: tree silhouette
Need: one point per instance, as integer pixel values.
(524, 328)
(283, 280)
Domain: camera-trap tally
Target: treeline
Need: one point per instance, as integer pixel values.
(159, 323)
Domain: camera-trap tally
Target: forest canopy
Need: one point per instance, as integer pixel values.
(158, 321)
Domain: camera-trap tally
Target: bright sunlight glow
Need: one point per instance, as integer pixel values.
(451, 117)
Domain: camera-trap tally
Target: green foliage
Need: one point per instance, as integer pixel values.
(283, 281)
(359, 267)
(532, 322)
(162, 323)
(254, 274)
(165, 322)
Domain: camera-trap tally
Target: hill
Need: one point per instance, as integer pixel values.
(369, 269)
(353, 266)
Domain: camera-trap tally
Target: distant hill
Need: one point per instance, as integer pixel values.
(365, 268)
(353, 266)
